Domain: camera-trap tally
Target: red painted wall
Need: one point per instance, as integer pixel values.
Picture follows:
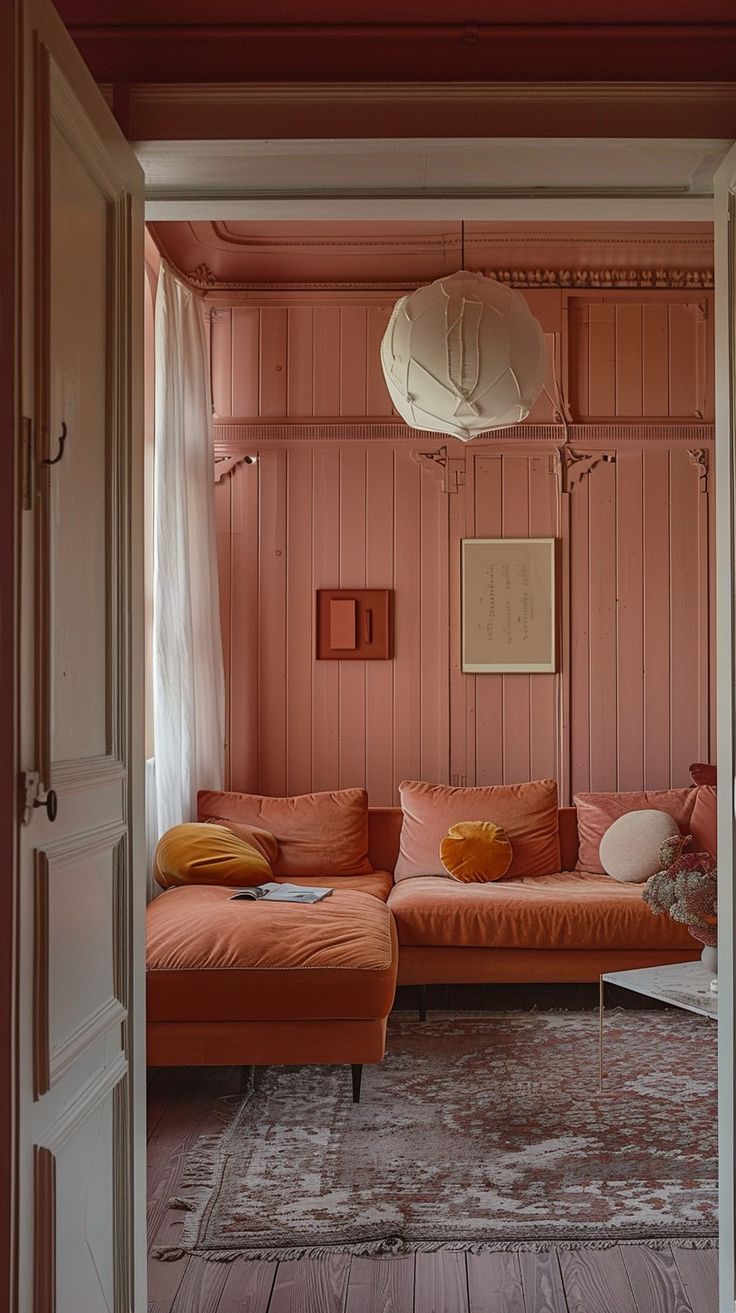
(326, 505)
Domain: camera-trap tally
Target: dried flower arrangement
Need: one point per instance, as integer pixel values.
(686, 888)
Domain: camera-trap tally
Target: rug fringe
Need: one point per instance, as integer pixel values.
(395, 1247)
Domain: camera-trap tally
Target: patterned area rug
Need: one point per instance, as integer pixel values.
(477, 1131)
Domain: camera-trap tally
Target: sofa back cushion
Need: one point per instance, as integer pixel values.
(704, 821)
(324, 834)
(597, 811)
(527, 812)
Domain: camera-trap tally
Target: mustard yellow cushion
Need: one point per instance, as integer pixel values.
(475, 851)
(209, 854)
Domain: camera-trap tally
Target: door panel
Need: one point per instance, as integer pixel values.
(725, 283)
(82, 880)
(78, 546)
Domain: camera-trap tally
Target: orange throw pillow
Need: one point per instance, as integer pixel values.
(208, 854)
(475, 851)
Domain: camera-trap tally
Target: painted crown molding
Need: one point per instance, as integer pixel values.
(644, 279)
(150, 109)
(672, 280)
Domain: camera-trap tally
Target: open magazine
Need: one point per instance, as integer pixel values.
(282, 893)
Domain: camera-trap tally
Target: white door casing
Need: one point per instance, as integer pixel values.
(725, 284)
(81, 878)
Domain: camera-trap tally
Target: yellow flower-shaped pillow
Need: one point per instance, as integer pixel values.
(475, 851)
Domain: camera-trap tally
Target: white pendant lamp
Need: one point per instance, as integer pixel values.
(463, 355)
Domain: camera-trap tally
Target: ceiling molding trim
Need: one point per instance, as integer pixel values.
(180, 110)
(233, 436)
(455, 93)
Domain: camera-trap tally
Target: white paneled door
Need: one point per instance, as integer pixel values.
(725, 276)
(81, 882)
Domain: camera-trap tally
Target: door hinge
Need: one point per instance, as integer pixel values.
(28, 464)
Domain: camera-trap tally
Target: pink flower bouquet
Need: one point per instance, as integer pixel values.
(687, 890)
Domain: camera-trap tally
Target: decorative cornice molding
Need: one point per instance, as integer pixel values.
(645, 280)
(632, 279)
(236, 436)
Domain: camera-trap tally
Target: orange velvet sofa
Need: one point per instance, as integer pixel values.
(260, 983)
(570, 926)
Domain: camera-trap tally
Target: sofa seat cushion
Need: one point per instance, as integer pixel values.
(211, 959)
(572, 909)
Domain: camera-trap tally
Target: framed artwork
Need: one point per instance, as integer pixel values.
(509, 605)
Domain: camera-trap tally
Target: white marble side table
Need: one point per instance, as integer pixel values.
(684, 984)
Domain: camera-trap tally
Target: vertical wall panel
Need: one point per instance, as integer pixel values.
(602, 359)
(221, 349)
(685, 364)
(300, 361)
(272, 622)
(489, 703)
(351, 674)
(544, 690)
(685, 639)
(655, 359)
(245, 360)
(628, 359)
(326, 574)
(273, 373)
(604, 691)
(434, 629)
(352, 364)
(245, 608)
(379, 573)
(581, 692)
(223, 522)
(326, 357)
(300, 636)
(657, 586)
(407, 583)
(516, 696)
(630, 618)
(378, 402)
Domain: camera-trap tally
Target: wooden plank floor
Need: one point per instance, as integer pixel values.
(623, 1279)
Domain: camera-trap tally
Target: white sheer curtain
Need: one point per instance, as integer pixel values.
(188, 679)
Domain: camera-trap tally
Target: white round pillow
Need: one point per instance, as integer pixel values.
(630, 846)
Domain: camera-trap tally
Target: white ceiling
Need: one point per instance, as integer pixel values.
(504, 178)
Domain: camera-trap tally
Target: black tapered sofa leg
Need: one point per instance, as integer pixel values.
(422, 1002)
(357, 1071)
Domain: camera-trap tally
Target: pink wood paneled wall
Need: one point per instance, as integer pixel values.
(630, 707)
(631, 704)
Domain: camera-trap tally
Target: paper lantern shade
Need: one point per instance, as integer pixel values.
(463, 355)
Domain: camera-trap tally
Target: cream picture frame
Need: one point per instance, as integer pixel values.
(509, 605)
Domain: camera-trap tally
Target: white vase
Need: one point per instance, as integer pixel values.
(709, 958)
